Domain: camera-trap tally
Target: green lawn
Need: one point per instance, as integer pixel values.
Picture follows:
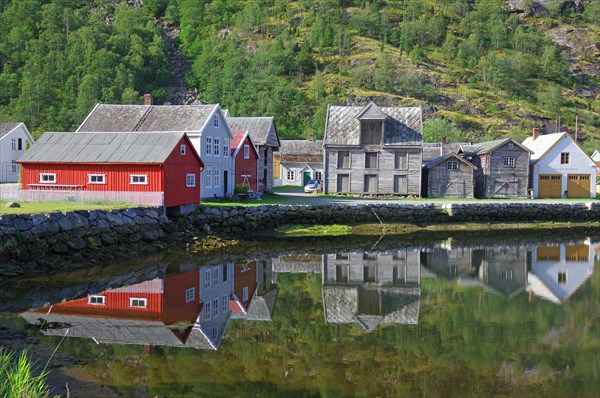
(265, 200)
(49, 207)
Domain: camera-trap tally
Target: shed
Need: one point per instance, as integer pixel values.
(448, 176)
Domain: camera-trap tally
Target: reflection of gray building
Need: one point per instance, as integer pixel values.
(255, 291)
(308, 263)
(447, 261)
(557, 271)
(372, 288)
(504, 269)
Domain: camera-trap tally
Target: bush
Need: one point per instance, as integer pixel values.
(240, 188)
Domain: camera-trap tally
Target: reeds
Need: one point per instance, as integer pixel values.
(17, 379)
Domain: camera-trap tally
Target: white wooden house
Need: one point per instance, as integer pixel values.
(205, 125)
(15, 139)
(559, 167)
(300, 161)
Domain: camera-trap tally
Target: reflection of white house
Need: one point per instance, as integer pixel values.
(557, 271)
(372, 288)
(14, 140)
(300, 161)
(559, 166)
(216, 287)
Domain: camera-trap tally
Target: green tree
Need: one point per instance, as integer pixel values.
(435, 129)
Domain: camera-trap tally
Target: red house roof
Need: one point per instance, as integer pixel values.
(239, 137)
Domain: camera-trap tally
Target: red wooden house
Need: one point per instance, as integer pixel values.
(245, 159)
(146, 168)
(244, 286)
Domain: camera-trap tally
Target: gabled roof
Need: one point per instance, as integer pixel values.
(261, 306)
(431, 150)
(403, 125)
(489, 146)
(104, 147)
(301, 147)
(261, 129)
(239, 137)
(125, 118)
(440, 159)
(372, 112)
(6, 128)
(596, 156)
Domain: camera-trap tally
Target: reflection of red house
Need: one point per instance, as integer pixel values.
(245, 157)
(244, 286)
(163, 164)
(170, 300)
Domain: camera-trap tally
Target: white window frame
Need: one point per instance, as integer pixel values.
(318, 175)
(208, 146)
(190, 180)
(50, 178)
(226, 149)
(246, 151)
(96, 299)
(14, 144)
(565, 157)
(207, 278)
(452, 165)
(216, 121)
(190, 294)
(142, 179)
(138, 302)
(207, 311)
(215, 307)
(224, 302)
(208, 178)
(245, 293)
(102, 179)
(215, 332)
(509, 161)
(182, 149)
(215, 276)
(216, 179)
(216, 146)
(290, 175)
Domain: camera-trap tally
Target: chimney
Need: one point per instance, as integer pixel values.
(536, 133)
(444, 140)
(148, 99)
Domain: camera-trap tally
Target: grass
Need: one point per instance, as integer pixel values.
(265, 200)
(315, 230)
(49, 207)
(17, 378)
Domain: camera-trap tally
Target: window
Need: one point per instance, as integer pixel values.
(190, 180)
(215, 333)
(318, 175)
(245, 293)
(451, 270)
(343, 183)
(401, 160)
(216, 146)
(401, 184)
(190, 294)
(207, 312)
(96, 300)
(138, 302)
(452, 165)
(207, 278)
(224, 302)
(508, 274)
(216, 307)
(343, 160)
(182, 149)
(208, 146)
(138, 179)
(246, 151)
(20, 144)
(96, 178)
(562, 277)
(216, 121)
(48, 178)
(508, 161)
(224, 273)
(14, 144)
(291, 175)
(216, 179)
(370, 132)
(370, 183)
(208, 178)
(215, 275)
(225, 147)
(564, 158)
(511, 146)
(370, 160)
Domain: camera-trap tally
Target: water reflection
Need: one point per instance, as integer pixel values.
(190, 306)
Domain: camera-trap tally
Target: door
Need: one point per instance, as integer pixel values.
(401, 185)
(549, 186)
(225, 184)
(370, 183)
(506, 189)
(454, 189)
(305, 178)
(578, 186)
(343, 183)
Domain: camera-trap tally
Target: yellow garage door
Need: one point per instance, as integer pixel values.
(549, 186)
(578, 186)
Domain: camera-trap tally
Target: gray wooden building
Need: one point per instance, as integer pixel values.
(372, 150)
(502, 168)
(449, 176)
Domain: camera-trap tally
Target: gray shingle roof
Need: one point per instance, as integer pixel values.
(261, 307)
(301, 147)
(440, 159)
(403, 125)
(115, 118)
(6, 128)
(431, 150)
(103, 147)
(261, 129)
(489, 146)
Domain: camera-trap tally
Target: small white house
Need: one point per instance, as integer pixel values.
(15, 139)
(559, 167)
(300, 161)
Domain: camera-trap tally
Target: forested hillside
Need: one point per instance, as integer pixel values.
(481, 69)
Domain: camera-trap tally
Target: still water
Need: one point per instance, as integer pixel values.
(444, 317)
